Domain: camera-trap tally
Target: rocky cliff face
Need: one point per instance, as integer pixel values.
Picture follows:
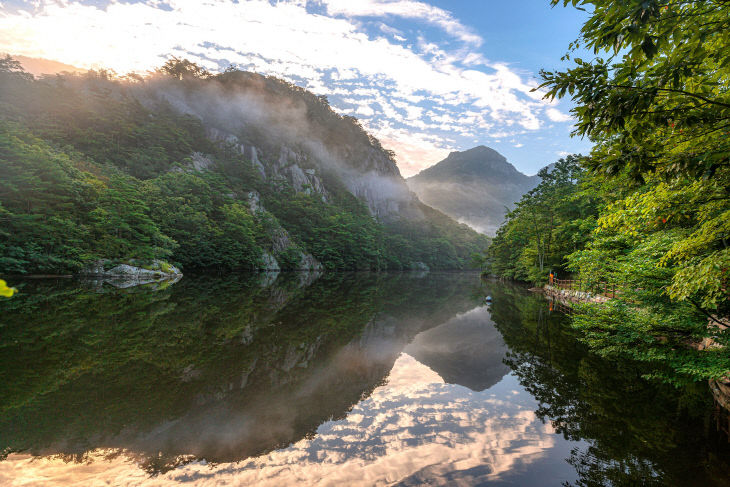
(293, 141)
(371, 175)
(293, 137)
(375, 179)
(288, 166)
(475, 187)
(296, 143)
(281, 241)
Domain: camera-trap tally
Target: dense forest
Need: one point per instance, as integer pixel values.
(98, 166)
(649, 209)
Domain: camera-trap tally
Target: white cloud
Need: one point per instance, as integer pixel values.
(557, 116)
(415, 151)
(424, 92)
(365, 110)
(409, 9)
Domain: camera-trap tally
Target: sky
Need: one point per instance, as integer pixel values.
(425, 77)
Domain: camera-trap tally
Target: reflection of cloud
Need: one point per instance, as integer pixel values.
(408, 374)
(413, 427)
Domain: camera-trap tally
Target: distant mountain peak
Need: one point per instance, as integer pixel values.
(478, 150)
(473, 186)
(41, 66)
(480, 162)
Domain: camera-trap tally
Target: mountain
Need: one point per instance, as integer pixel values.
(227, 171)
(40, 66)
(474, 187)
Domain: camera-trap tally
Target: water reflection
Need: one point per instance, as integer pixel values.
(356, 379)
(638, 432)
(466, 350)
(220, 369)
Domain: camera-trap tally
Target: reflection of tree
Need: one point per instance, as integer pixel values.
(208, 357)
(594, 470)
(639, 433)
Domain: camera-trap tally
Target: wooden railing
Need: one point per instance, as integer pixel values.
(603, 288)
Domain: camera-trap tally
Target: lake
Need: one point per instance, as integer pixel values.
(343, 379)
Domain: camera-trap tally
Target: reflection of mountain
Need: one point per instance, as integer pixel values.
(301, 382)
(415, 430)
(220, 369)
(466, 350)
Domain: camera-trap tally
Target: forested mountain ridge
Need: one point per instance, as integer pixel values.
(227, 171)
(476, 187)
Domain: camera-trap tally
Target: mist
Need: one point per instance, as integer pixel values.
(250, 111)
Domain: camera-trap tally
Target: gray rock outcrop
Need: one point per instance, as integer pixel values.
(246, 150)
(131, 274)
(281, 241)
(269, 263)
(201, 162)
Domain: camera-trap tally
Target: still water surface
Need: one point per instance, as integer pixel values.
(347, 379)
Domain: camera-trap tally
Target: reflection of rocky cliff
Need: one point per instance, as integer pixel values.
(467, 350)
(214, 369)
(274, 405)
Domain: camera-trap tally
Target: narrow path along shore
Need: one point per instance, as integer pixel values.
(573, 295)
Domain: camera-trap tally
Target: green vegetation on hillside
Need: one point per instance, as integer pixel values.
(649, 209)
(91, 167)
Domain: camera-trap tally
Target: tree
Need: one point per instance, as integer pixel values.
(5, 290)
(660, 103)
(183, 69)
(658, 110)
(10, 67)
(548, 223)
